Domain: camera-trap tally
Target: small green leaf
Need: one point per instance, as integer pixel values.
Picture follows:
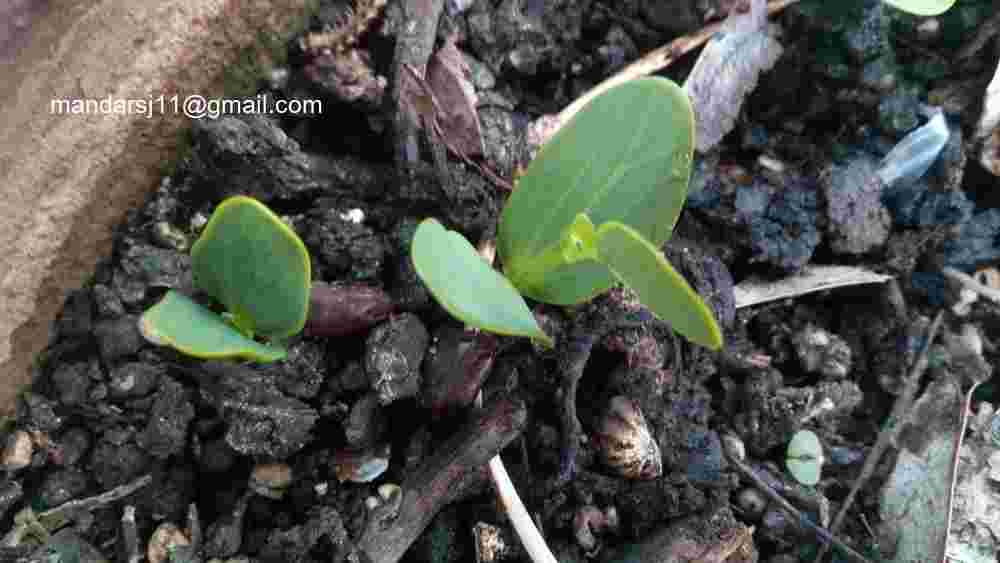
(256, 266)
(186, 326)
(922, 7)
(804, 457)
(625, 157)
(642, 267)
(467, 287)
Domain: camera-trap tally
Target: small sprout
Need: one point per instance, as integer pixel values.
(922, 7)
(569, 232)
(258, 268)
(625, 443)
(804, 457)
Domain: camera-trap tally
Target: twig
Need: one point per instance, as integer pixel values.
(966, 404)
(971, 283)
(654, 61)
(890, 429)
(825, 535)
(453, 471)
(93, 502)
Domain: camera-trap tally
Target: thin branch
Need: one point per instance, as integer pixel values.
(891, 427)
(654, 61)
(824, 534)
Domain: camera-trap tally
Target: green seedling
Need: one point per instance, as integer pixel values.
(593, 209)
(922, 7)
(804, 457)
(258, 269)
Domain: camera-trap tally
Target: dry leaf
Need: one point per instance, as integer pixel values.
(727, 70)
(812, 278)
(448, 77)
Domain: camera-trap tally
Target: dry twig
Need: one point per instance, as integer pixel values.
(654, 61)
(891, 427)
(825, 535)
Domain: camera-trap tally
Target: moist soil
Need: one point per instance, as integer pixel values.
(300, 460)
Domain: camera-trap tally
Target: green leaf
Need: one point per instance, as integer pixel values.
(467, 287)
(180, 323)
(642, 267)
(625, 157)
(922, 7)
(256, 266)
(804, 457)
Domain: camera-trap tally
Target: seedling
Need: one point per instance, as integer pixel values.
(257, 268)
(804, 457)
(593, 209)
(922, 7)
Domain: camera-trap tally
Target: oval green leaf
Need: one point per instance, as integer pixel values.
(642, 267)
(922, 7)
(256, 266)
(804, 457)
(186, 326)
(625, 157)
(467, 287)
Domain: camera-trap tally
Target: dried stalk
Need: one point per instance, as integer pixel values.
(890, 429)
(824, 534)
(531, 538)
(654, 61)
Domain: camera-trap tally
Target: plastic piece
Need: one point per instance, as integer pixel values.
(910, 159)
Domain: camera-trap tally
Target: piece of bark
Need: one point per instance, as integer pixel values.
(455, 467)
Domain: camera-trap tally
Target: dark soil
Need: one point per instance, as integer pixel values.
(270, 455)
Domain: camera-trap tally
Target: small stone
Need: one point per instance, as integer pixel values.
(170, 237)
(929, 30)
(17, 454)
(165, 539)
(394, 353)
(133, 380)
(71, 383)
(753, 503)
(525, 59)
(734, 447)
(271, 480)
(118, 338)
(821, 352)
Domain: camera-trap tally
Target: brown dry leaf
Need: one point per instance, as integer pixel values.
(448, 78)
(727, 71)
(417, 99)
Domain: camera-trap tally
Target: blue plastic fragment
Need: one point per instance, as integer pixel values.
(910, 159)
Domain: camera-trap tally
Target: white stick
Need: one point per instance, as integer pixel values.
(531, 538)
